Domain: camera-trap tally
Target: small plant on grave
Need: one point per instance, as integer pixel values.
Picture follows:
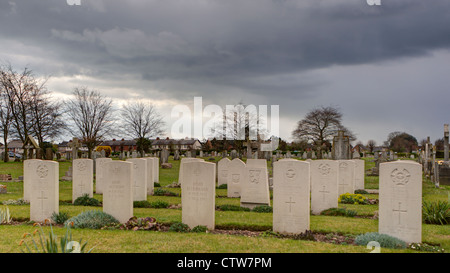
(93, 219)
(361, 192)
(5, 216)
(383, 239)
(200, 229)
(436, 213)
(223, 186)
(50, 243)
(60, 218)
(262, 209)
(426, 247)
(271, 234)
(232, 208)
(159, 204)
(162, 192)
(147, 223)
(339, 212)
(308, 235)
(179, 227)
(85, 200)
(157, 185)
(349, 198)
(141, 204)
(18, 202)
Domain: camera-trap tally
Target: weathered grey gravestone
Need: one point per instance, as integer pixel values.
(446, 144)
(75, 144)
(291, 194)
(341, 147)
(44, 196)
(443, 173)
(400, 209)
(198, 194)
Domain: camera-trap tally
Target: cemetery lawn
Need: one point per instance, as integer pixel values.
(253, 238)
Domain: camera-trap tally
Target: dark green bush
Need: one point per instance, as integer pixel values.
(141, 204)
(436, 213)
(162, 192)
(159, 205)
(383, 239)
(223, 186)
(93, 219)
(361, 192)
(263, 209)
(339, 212)
(200, 229)
(157, 185)
(60, 218)
(232, 208)
(179, 227)
(85, 200)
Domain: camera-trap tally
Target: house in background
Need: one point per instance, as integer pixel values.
(186, 144)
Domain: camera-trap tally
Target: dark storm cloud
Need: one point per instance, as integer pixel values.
(231, 49)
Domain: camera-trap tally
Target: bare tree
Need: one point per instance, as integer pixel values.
(5, 122)
(141, 121)
(319, 126)
(371, 144)
(91, 116)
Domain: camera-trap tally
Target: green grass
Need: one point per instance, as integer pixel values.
(150, 241)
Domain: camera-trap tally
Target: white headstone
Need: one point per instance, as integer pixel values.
(83, 178)
(100, 173)
(29, 169)
(346, 176)
(291, 195)
(198, 192)
(140, 178)
(258, 163)
(222, 171)
(324, 185)
(118, 190)
(255, 187)
(150, 176)
(182, 163)
(44, 197)
(359, 174)
(236, 170)
(156, 170)
(400, 207)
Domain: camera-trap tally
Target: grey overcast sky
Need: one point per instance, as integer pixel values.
(386, 67)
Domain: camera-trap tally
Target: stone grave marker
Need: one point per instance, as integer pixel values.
(29, 171)
(198, 192)
(222, 171)
(346, 176)
(236, 170)
(118, 190)
(182, 163)
(400, 207)
(255, 187)
(83, 178)
(359, 173)
(150, 176)
(140, 178)
(291, 195)
(44, 195)
(100, 174)
(324, 185)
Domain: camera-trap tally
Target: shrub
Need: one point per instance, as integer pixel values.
(223, 186)
(339, 212)
(436, 213)
(263, 209)
(85, 200)
(361, 192)
(93, 219)
(148, 223)
(232, 208)
(159, 205)
(179, 227)
(60, 218)
(349, 198)
(383, 239)
(107, 150)
(157, 185)
(18, 202)
(200, 229)
(141, 204)
(162, 192)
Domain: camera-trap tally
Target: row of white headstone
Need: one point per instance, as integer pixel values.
(300, 187)
(41, 184)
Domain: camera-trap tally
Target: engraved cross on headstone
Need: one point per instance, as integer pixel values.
(399, 211)
(42, 198)
(290, 204)
(324, 192)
